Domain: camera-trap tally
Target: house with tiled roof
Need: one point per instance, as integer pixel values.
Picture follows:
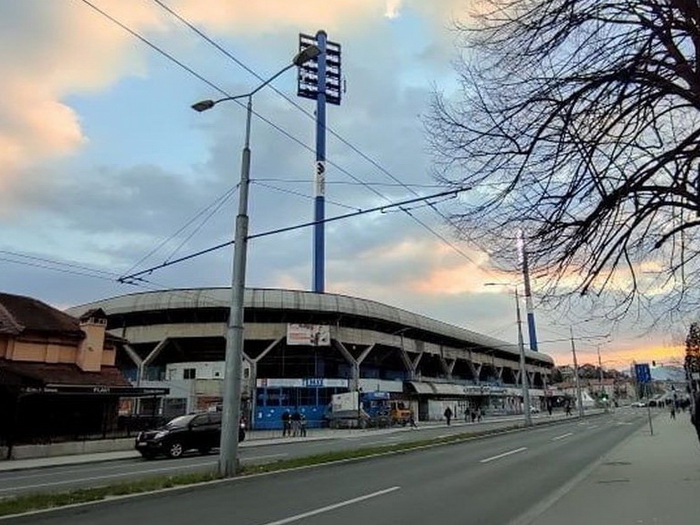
(58, 377)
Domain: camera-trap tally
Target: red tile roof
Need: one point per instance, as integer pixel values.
(20, 314)
(64, 374)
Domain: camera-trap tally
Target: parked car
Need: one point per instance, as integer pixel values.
(638, 404)
(199, 431)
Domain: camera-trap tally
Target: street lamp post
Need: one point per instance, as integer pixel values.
(521, 349)
(579, 397)
(228, 455)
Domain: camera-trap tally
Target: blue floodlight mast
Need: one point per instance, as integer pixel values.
(319, 79)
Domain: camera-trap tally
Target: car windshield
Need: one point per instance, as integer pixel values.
(179, 422)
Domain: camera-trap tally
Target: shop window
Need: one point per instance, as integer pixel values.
(189, 373)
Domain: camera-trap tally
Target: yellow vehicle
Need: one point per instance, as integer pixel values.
(400, 412)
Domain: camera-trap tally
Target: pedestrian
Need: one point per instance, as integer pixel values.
(549, 408)
(296, 422)
(302, 425)
(473, 415)
(412, 420)
(568, 409)
(467, 415)
(286, 423)
(478, 414)
(448, 415)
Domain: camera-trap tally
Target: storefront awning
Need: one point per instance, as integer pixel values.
(449, 389)
(437, 389)
(422, 387)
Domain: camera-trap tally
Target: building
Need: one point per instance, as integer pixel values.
(303, 347)
(58, 378)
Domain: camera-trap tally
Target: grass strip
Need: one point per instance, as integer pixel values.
(41, 501)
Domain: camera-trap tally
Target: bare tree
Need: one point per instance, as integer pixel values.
(578, 121)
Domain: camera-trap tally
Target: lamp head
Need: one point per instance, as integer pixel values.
(306, 54)
(203, 105)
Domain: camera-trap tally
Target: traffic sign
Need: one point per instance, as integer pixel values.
(643, 373)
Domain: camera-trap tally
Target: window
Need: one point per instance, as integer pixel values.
(189, 373)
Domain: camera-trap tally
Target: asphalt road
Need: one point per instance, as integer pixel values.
(487, 482)
(56, 479)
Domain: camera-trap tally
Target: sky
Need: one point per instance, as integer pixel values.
(105, 168)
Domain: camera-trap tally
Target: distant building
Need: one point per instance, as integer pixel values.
(58, 377)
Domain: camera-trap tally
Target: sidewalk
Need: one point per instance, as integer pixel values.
(645, 480)
(266, 438)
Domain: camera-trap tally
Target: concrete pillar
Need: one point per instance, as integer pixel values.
(355, 379)
(253, 385)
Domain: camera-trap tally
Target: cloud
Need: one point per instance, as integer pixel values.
(48, 51)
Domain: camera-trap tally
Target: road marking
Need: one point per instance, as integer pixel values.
(594, 426)
(444, 436)
(97, 478)
(563, 436)
(265, 457)
(509, 453)
(328, 508)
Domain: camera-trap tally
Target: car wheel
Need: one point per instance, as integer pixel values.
(175, 449)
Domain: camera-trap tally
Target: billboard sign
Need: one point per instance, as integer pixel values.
(308, 335)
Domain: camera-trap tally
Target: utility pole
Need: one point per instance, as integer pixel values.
(529, 306)
(523, 369)
(579, 397)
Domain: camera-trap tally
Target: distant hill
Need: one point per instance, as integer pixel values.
(667, 373)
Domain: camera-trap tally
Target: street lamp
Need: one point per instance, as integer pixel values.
(579, 396)
(228, 455)
(521, 348)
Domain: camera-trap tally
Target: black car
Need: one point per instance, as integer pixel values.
(201, 431)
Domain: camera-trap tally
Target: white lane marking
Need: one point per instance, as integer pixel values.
(594, 426)
(97, 478)
(509, 453)
(264, 457)
(328, 508)
(444, 436)
(563, 436)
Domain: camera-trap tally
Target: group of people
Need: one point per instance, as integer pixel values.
(293, 424)
(470, 414)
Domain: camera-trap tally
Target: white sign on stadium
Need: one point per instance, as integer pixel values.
(308, 335)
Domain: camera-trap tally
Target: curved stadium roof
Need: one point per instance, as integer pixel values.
(296, 300)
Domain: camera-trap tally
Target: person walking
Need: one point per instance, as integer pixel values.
(286, 424)
(479, 414)
(673, 411)
(568, 408)
(448, 415)
(472, 414)
(302, 425)
(412, 420)
(296, 423)
(549, 408)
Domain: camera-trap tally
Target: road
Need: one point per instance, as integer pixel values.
(55, 479)
(489, 482)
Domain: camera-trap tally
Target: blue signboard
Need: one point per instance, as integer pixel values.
(643, 373)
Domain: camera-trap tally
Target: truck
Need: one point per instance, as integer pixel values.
(367, 409)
